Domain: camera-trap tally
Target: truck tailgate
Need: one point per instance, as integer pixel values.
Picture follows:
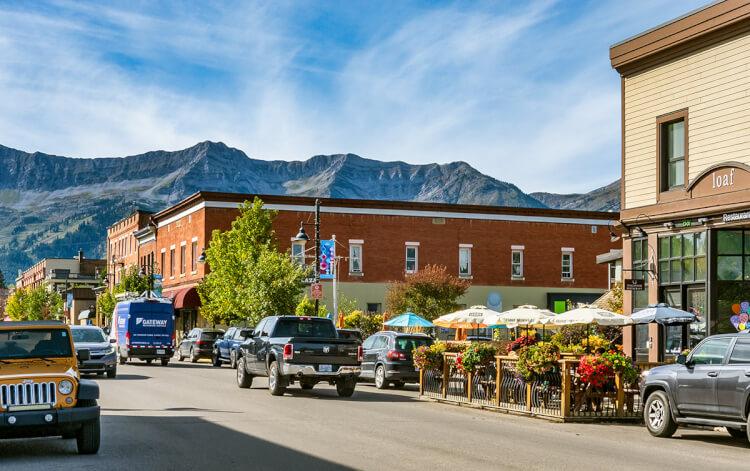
(315, 351)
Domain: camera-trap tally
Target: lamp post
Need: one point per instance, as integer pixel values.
(302, 235)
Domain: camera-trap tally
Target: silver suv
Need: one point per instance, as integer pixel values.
(709, 386)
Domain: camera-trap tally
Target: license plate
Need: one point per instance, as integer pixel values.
(160, 351)
(325, 368)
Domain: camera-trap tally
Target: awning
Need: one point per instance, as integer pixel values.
(184, 298)
(84, 315)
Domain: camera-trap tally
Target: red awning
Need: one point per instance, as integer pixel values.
(184, 298)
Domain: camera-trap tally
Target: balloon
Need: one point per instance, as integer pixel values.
(743, 318)
(735, 320)
(736, 308)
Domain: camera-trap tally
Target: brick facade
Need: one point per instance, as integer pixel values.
(122, 246)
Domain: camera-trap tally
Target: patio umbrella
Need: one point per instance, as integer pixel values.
(471, 318)
(526, 315)
(409, 319)
(589, 315)
(662, 314)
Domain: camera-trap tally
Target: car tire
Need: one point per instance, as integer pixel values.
(306, 384)
(233, 359)
(658, 416)
(244, 380)
(215, 359)
(737, 432)
(193, 358)
(275, 381)
(164, 361)
(89, 437)
(345, 387)
(380, 381)
(179, 354)
(111, 374)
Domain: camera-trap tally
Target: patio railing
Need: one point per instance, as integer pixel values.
(557, 394)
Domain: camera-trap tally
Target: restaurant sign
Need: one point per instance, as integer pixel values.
(635, 285)
(732, 217)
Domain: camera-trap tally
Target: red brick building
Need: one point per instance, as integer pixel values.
(122, 246)
(512, 256)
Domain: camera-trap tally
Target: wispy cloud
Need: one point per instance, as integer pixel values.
(522, 91)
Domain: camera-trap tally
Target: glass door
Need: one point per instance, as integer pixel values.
(696, 303)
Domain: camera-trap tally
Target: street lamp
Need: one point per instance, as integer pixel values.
(202, 257)
(302, 235)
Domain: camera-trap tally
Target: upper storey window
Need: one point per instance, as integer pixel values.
(672, 151)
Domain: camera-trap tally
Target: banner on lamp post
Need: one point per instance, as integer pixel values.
(327, 256)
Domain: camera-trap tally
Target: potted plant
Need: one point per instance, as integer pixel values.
(475, 356)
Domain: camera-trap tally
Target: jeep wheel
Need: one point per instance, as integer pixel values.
(737, 432)
(244, 380)
(193, 358)
(88, 437)
(233, 360)
(345, 387)
(658, 416)
(275, 381)
(380, 381)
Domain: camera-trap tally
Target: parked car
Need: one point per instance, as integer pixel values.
(388, 358)
(225, 347)
(350, 334)
(197, 344)
(709, 386)
(39, 358)
(304, 349)
(102, 355)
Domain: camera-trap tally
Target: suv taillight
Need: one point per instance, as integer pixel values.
(396, 355)
(288, 352)
(360, 353)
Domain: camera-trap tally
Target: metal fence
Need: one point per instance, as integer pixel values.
(558, 393)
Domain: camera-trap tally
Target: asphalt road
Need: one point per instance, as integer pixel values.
(194, 417)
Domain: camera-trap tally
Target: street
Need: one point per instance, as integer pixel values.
(193, 416)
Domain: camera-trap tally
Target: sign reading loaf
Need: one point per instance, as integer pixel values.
(723, 178)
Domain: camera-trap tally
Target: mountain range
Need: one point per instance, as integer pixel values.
(51, 206)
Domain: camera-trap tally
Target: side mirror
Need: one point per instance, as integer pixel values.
(84, 354)
(112, 340)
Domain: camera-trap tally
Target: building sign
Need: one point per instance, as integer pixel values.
(327, 257)
(719, 179)
(731, 217)
(635, 285)
(70, 300)
(317, 291)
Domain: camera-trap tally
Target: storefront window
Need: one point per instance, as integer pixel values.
(696, 303)
(682, 258)
(640, 267)
(732, 285)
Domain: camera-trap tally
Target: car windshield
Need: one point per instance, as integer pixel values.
(305, 328)
(87, 336)
(407, 344)
(34, 343)
(210, 335)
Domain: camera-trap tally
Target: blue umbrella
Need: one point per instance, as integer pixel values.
(409, 320)
(662, 314)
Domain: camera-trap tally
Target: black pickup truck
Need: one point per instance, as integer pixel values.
(304, 349)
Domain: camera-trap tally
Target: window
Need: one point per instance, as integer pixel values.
(411, 258)
(373, 308)
(741, 351)
(639, 266)
(183, 259)
(194, 256)
(464, 261)
(355, 259)
(298, 252)
(368, 343)
(380, 342)
(567, 265)
(612, 274)
(163, 265)
(516, 264)
(172, 262)
(672, 145)
(682, 258)
(711, 352)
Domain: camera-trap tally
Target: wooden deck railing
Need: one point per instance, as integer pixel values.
(557, 394)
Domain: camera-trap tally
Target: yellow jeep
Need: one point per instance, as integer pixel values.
(41, 391)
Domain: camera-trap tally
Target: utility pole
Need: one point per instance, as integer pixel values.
(317, 249)
(335, 267)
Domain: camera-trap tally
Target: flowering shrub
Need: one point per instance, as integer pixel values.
(429, 357)
(475, 355)
(591, 344)
(520, 342)
(535, 360)
(623, 365)
(596, 371)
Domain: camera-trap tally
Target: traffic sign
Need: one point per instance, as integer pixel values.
(317, 291)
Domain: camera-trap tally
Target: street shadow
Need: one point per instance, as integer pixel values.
(130, 442)
(358, 396)
(127, 377)
(176, 409)
(715, 438)
(176, 364)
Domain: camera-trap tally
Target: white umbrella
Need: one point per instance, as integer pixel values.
(471, 318)
(589, 315)
(526, 315)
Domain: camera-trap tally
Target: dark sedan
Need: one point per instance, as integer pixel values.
(199, 343)
(388, 358)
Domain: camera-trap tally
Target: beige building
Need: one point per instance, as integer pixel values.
(686, 173)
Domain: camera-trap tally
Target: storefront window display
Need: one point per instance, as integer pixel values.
(732, 281)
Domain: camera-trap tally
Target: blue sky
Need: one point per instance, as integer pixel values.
(523, 91)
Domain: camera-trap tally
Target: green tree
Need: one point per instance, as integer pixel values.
(15, 305)
(249, 278)
(430, 293)
(105, 305)
(367, 324)
(35, 304)
(346, 305)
